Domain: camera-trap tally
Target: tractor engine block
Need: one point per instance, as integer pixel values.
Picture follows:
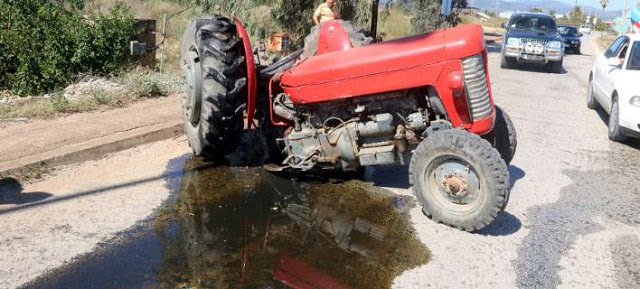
(350, 135)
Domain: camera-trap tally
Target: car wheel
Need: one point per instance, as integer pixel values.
(459, 179)
(615, 132)
(507, 63)
(591, 100)
(555, 66)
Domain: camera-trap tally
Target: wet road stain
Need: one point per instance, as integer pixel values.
(247, 228)
(611, 193)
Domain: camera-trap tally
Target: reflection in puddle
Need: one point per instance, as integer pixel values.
(247, 228)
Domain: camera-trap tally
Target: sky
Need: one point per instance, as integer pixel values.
(613, 4)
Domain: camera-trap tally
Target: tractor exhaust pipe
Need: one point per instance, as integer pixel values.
(374, 20)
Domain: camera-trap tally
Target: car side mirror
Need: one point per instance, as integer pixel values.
(504, 25)
(614, 61)
(580, 34)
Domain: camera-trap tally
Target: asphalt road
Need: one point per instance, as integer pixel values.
(572, 220)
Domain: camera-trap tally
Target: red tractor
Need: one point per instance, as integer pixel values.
(345, 103)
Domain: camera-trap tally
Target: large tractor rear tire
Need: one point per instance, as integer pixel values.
(357, 38)
(215, 73)
(459, 179)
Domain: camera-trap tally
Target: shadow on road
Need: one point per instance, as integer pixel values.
(494, 48)
(11, 192)
(43, 198)
(390, 177)
(603, 115)
(506, 224)
(630, 142)
(533, 67)
(515, 173)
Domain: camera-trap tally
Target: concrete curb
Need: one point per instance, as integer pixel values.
(95, 148)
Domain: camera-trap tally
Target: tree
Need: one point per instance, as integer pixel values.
(552, 12)
(535, 9)
(604, 4)
(295, 16)
(45, 42)
(426, 14)
(576, 17)
(490, 13)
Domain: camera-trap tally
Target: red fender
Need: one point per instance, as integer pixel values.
(332, 38)
(252, 82)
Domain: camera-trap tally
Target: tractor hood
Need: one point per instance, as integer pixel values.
(388, 66)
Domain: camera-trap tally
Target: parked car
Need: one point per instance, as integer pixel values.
(532, 38)
(571, 37)
(613, 85)
(585, 29)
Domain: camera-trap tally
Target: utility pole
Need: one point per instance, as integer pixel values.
(624, 16)
(374, 19)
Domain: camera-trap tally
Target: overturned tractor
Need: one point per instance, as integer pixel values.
(344, 103)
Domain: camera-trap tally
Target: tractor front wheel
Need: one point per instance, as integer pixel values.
(459, 179)
(215, 75)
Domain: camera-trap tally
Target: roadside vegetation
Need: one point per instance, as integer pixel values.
(605, 39)
(44, 43)
(92, 93)
(577, 17)
(493, 22)
(80, 43)
(76, 41)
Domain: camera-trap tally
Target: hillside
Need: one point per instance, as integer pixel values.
(558, 6)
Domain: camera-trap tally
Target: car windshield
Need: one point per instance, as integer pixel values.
(568, 31)
(634, 58)
(533, 22)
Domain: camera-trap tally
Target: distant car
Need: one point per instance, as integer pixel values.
(532, 38)
(571, 36)
(585, 29)
(614, 85)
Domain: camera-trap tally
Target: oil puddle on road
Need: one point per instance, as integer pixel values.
(247, 228)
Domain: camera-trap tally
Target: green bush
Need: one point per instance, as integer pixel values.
(43, 43)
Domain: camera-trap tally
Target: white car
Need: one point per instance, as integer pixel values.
(585, 29)
(614, 84)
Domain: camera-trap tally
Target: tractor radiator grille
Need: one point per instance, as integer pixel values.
(475, 80)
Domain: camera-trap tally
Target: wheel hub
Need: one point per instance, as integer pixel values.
(456, 182)
(193, 77)
(456, 185)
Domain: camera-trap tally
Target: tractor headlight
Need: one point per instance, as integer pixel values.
(635, 101)
(513, 42)
(555, 45)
